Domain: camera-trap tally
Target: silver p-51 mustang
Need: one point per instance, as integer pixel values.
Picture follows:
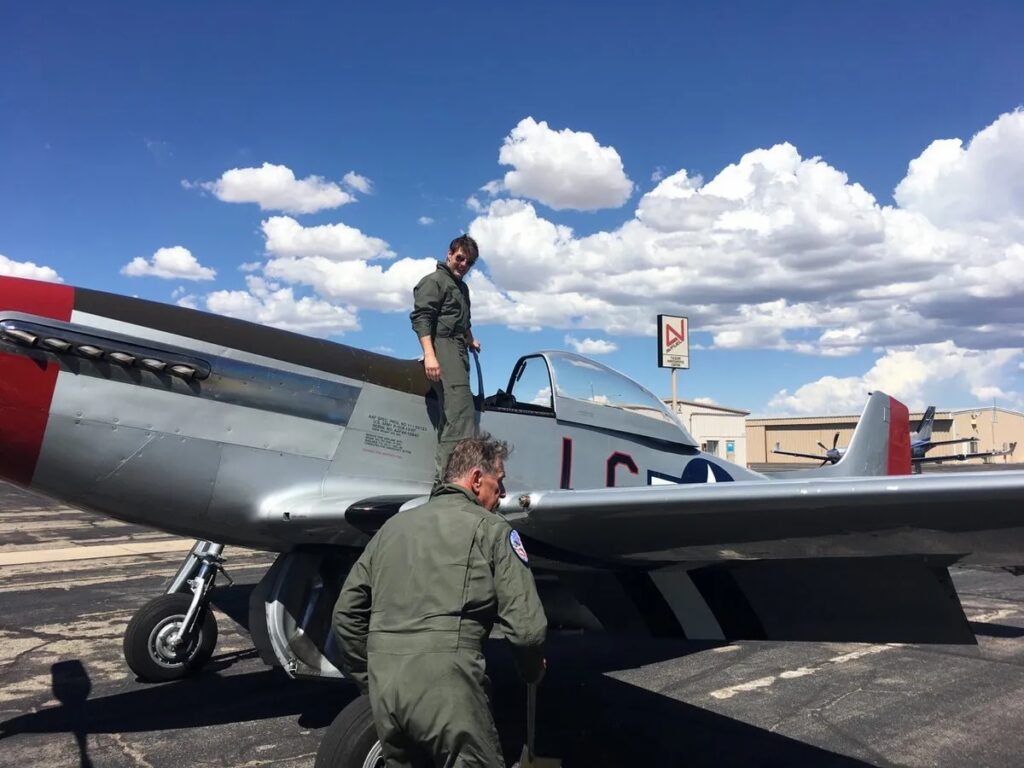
(236, 434)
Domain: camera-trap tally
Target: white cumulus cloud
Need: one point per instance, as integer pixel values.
(345, 269)
(911, 375)
(359, 183)
(589, 346)
(174, 263)
(28, 269)
(269, 304)
(980, 186)
(285, 237)
(366, 286)
(425, 221)
(562, 169)
(275, 188)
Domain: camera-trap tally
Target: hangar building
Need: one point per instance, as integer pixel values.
(988, 429)
(720, 431)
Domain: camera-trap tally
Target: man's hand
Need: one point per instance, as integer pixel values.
(474, 345)
(431, 367)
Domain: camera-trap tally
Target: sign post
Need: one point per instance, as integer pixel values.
(673, 347)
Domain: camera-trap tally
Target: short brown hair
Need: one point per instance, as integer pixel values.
(467, 245)
(481, 451)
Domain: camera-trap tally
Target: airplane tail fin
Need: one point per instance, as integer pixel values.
(924, 429)
(880, 443)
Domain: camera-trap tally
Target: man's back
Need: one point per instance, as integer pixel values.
(436, 578)
(431, 572)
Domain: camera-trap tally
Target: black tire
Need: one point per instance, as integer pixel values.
(351, 740)
(153, 661)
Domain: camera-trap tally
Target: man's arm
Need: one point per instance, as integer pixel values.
(430, 364)
(352, 620)
(427, 299)
(471, 341)
(520, 612)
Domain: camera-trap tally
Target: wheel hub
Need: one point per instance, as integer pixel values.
(162, 647)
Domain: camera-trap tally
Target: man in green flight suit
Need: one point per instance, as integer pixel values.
(441, 321)
(418, 604)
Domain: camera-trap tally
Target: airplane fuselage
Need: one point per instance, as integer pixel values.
(272, 436)
(224, 430)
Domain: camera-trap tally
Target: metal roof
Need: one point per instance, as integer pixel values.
(796, 421)
(710, 406)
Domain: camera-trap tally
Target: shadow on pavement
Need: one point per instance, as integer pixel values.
(585, 717)
(590, 719)
(612, 724)
(71, 686)
(206, 699)
(996, 630)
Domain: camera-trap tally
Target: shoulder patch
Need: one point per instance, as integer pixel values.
(517, 546)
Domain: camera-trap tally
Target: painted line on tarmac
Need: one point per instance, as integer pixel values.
(988, 618)
(790, 674)
(93, 552)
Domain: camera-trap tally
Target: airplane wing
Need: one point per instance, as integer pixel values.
(964, 456)
(933, 443)
(972, 517)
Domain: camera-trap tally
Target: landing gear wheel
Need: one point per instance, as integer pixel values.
(351, 740)
(147, 641)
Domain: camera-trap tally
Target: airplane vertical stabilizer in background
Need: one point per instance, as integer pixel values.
(924, 429)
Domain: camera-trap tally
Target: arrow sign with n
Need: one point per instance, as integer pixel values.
(673, 336)
(673, 342)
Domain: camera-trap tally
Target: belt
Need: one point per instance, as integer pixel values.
(420, 642)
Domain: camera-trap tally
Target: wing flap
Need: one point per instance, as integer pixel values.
(974, 517)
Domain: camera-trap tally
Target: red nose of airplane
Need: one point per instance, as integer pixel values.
(27, 383)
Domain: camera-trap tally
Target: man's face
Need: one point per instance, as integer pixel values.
(459, 262)
(488, 488)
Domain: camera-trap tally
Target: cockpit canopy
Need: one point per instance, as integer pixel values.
(576, 389)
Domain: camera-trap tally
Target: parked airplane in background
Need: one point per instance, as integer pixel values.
(831, 456)
(236, 434)
(920, 443)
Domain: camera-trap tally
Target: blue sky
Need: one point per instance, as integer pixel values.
(807, 280)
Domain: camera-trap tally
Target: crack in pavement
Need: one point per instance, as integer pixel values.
(13, 663)
(132, 753)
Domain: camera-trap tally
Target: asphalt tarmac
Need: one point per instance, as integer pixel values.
(70, 581)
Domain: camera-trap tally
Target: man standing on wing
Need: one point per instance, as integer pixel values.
(418, 604)
(441, 321)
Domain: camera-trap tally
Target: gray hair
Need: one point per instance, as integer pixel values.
(481, 451)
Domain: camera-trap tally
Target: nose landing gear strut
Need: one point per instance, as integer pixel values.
(175, 633)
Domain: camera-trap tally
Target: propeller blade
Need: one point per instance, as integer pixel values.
(835, 441)
(823, 446)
